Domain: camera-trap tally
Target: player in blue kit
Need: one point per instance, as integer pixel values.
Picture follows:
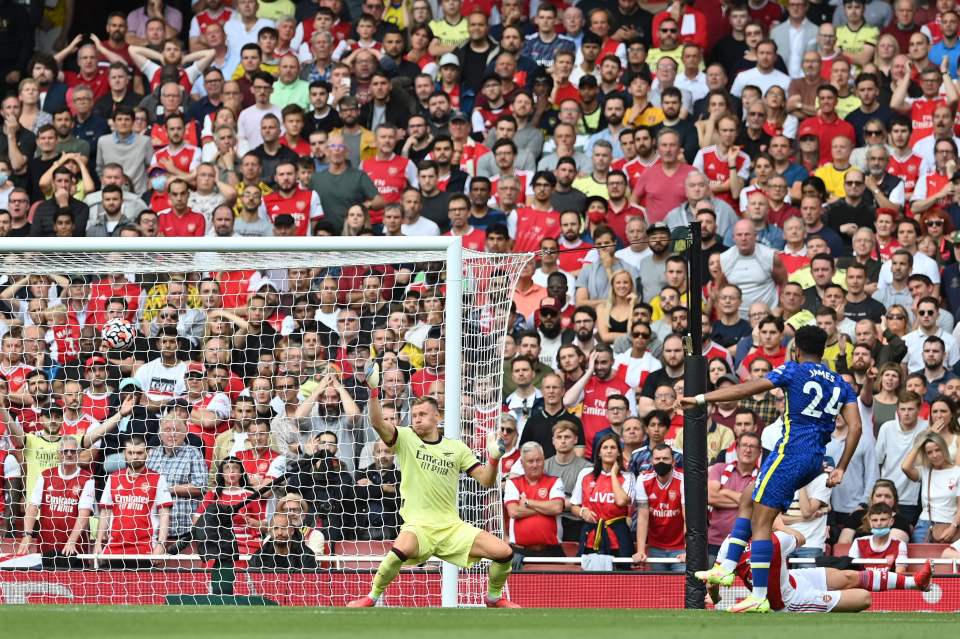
(814, 396)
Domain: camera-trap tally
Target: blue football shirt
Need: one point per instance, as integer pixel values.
(814, 396)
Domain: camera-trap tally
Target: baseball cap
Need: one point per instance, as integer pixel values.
(728, 378)
(284, 219)
(129, 383)
(550, 304)
(95, 360)
(449, 59)
(195, 367)
(459, 116)
(807, 128)
(658, 228)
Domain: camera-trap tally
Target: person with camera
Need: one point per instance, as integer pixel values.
(283, 548)
(324, 480)
(378, 494)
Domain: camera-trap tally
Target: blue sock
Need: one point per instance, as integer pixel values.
(761, 553)
(739, 538)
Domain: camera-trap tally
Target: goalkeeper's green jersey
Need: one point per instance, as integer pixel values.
(429, 476)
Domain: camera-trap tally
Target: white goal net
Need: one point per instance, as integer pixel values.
(181, 421)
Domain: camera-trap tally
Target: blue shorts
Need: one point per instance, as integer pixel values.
(782, 475)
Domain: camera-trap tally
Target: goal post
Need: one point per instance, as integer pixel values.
(473, 290)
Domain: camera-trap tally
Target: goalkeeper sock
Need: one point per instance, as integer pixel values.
(880, 579)
(739, 538)
(499, 571)
(387, 572)
(761, 552)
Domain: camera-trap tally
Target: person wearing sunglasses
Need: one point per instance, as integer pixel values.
(928, 312)
(852, 212)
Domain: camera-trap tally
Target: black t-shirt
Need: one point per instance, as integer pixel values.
(327, 123)
(869, 309)
(859, 119)
(728, 51)
(270, 162)
(539, 428)
(473, 67)
(435, 209)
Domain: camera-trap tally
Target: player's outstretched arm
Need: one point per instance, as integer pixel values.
(728, 393)
(387, 432)
(851, 415)
(486, 475)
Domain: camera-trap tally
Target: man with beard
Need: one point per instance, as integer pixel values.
(551, 331)
(592, 389)
(584, 326)
(672, 358)
(284, 549)
(574, 248)
(439, 110)
(565, 197)
(613, 110)
(360, 141)
(652, 269)
(135, 508)
(393, 61)
(449, 178)
(674, 120)
(338, 414)
(884, 190)
(861, 363)
(934, 370)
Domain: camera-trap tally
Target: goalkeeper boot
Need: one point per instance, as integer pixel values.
(716, 575)
(502, 602)
(363, 602)
(924, 576)
(751, 604)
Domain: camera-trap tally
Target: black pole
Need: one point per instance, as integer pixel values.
(695, 431)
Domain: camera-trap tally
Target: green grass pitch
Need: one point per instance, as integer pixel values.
(80, 622)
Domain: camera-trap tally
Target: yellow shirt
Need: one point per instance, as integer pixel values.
(451, 35)
(651, 116)
(657, 310)
(850, 41)
(396, 14)
(654, 55)
(803, 277)
(275, 9)
(39, 454)
(832, 353)
(833, 178)
(590, 187)
(429, 477)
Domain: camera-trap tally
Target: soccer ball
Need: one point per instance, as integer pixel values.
(117, 333)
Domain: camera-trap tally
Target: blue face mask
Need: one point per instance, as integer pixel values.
(880, 532)
(158, 182)
(3, 177)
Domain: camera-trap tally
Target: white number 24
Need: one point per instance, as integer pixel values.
(832, 407)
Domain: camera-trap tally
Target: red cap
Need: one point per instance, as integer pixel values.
(95, 360)
(195, 367)
(807, 128)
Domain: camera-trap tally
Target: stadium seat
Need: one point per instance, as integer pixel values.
(372, 548)
(570, 548)
(924, 551)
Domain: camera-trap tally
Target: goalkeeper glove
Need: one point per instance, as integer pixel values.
(372, 372)
(496, 447)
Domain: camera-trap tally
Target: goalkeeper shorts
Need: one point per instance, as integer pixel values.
(451, 543)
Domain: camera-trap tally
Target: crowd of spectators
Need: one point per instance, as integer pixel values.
(815, 142)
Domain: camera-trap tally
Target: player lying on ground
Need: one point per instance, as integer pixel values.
(430, 468)
(820, 589)
(814, 397)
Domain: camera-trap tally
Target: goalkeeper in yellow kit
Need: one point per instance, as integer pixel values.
(430, 468)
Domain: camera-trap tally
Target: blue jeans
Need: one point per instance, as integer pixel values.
(660, 553)
(921, 531)
(807, 553)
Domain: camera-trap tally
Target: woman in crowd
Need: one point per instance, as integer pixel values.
(601, 498)
(885, 393)
(615, 317)
(929, 463)
(232, 488)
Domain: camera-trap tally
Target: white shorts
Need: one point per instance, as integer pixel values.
(811, 594)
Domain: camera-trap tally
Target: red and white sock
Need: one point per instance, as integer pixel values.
(880, 579)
